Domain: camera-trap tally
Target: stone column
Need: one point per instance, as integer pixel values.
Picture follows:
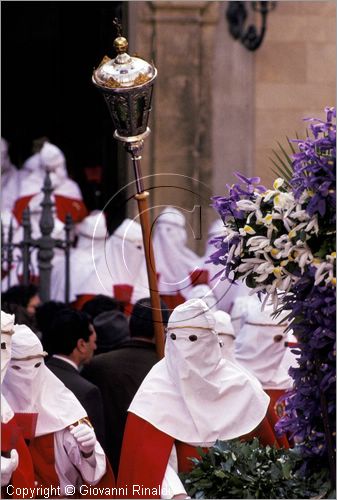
(179, 37)
(233, 97)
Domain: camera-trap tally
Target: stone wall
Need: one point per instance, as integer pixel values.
(218, 107)
(295, 72)
(179, 37)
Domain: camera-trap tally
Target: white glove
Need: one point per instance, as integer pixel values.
(85, 437)
(8, 466)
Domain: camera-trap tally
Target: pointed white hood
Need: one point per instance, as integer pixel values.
(193, 394)
(174, 260)
(30, 387)
(122, 263)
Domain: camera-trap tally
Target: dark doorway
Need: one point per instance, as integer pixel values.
(49, 50)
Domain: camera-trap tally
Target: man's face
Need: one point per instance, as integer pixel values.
(33, 304)
(91, 345)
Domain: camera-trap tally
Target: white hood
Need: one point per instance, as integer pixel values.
(193, 394)
(30, 387)
(122, 263)
(174, 260)
(260, 344)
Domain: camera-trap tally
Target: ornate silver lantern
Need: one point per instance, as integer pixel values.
(126, 84)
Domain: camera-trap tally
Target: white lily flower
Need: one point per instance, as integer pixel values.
(265, 267)
(246, 230)
(281, 241)
(320, 273)
(284, 200)
(270, 231)
(238, 249)
(331, 257)
(313, 224)
(275, 253)
(303, 256)
(242, 268)
(278, 183)
(235, 250)
(305, 196)
(246, 205)
(268, 219)
(262, 278)
(286, 251)
(252, 206)
(300, 215)
(277, 271)
(255, 260)
(230, 235)
(258, 243)
(325, 270)
(286, 283)
(268, 195)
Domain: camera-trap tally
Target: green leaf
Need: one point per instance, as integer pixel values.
(256, 472)
(282, 165)
(291, 144)
(220, 473)
(283, 162)
(286, 156)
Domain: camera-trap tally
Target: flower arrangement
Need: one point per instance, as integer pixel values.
(281, 242)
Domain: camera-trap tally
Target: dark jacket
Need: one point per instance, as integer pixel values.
(118, 374)
(87, 393)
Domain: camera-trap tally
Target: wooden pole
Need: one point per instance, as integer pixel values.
(142, 200)
(135, 148)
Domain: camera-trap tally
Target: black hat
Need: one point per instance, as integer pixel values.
(112, 329)
(141, 322)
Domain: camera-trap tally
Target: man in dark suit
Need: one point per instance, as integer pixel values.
(119, 374)
(71, 341)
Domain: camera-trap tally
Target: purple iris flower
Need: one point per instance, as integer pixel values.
(310, 408)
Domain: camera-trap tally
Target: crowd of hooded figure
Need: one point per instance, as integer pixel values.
(85, 402)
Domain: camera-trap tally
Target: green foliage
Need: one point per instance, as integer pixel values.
(235, 469)
(283, 163)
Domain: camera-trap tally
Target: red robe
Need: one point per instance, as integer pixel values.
(274, 413)
(42, 451)
(146, 451)
(64, 205)
(23, 476)
(172, 301)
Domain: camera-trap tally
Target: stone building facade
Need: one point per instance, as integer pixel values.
(219, 108)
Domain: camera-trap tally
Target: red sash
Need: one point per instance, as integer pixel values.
(20, 205)
(123, 293)
(264, 432)
(64, 205)
(146, 451)
(11, 437)
(81, 300)
(172, 301)
(274, 413)
(199, 277)
(42, 450)
(76, 208)
(145, 454)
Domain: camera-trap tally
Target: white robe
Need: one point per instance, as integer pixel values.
(71, 467)
(10, 188)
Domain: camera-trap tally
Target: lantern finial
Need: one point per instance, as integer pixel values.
(126, 83)
(120, 43)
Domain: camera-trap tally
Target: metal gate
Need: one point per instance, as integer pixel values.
(45, 245)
